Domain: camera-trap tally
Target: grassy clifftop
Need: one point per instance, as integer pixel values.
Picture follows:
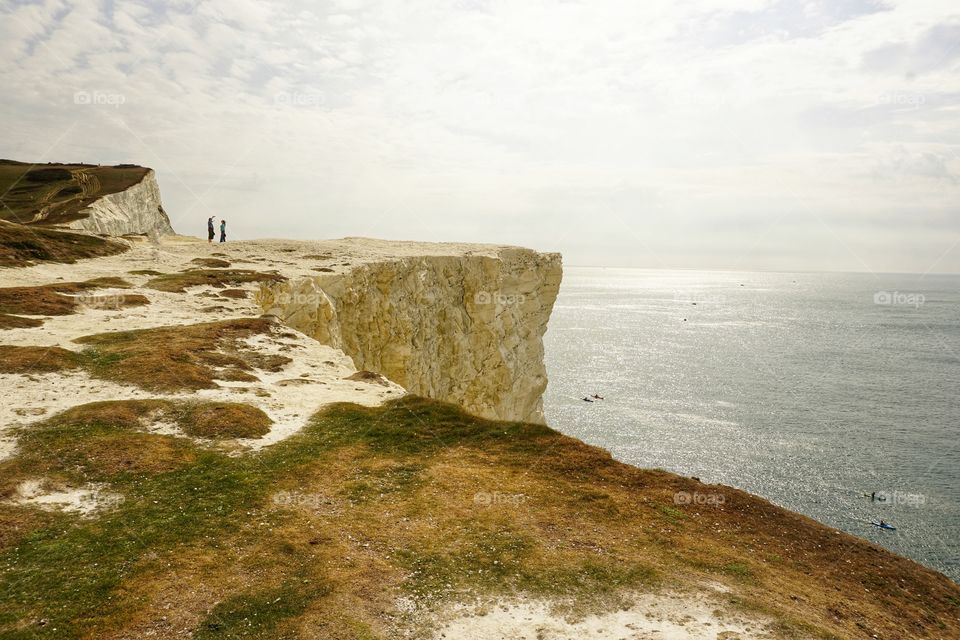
(319, 535)
(55, 193)
(22, 245)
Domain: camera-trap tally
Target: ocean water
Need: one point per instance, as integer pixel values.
(809, 389)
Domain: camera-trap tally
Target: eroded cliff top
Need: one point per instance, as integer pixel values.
(53, 193)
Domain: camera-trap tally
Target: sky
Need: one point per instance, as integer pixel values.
(704, 134)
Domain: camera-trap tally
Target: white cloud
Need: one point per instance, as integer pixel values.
(614, 133)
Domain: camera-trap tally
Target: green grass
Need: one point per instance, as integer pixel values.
(380, 503)
(72, 574)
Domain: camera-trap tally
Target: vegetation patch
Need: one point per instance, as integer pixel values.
(51, 299)
(104, 456)
(199, 419)
(117, 414)
(56, 193)
(320, 534)
(22, 246)
(17, 359)
(224, 420)
(16, 322)
(115, 301)
(219, 278)
(179, 358)
(211, 263)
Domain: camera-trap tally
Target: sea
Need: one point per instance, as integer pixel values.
(813, 390)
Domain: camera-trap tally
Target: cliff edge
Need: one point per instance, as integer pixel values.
(109, 200)
(134, 210)
(459, 323)
(176, 463)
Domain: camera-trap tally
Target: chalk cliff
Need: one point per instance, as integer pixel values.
(137, 209)
(461, 323)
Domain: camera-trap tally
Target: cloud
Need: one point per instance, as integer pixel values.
(645, 128)
(937, 48)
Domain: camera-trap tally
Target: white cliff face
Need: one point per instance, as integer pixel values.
(461, 323)
(134, 210)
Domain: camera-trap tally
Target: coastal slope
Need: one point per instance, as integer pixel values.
(175, 462)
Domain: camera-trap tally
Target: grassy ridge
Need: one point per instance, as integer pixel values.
(318, 535)
(22, 246)
(55, 193)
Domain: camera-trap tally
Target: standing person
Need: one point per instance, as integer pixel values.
(209, 229)
(223, 231)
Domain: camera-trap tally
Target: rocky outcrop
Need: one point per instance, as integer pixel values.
(458, 323)
(136, 209)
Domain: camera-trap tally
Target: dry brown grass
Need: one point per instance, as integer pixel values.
(179, 358)
(225, 420)
(16, 524)
(50, 299)
(17, 359)
(199, 419)
(16, 322)
(211, 263)
(124, 414)
(115, 301)
(107, 455)
(219, 278)
(21, 246)
(56, 193)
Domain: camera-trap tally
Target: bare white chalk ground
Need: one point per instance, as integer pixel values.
(84, 500)
(672, 616)
(317, 375)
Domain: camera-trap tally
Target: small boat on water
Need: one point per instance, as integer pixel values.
(883, 525)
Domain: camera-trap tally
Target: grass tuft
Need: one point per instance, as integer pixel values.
(211, 263)
(225, 420)
(17, 322)
(16, 359)
(219, 278)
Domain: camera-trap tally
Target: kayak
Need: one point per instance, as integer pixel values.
(884, 525)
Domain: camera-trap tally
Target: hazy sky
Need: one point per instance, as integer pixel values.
(703, 134)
